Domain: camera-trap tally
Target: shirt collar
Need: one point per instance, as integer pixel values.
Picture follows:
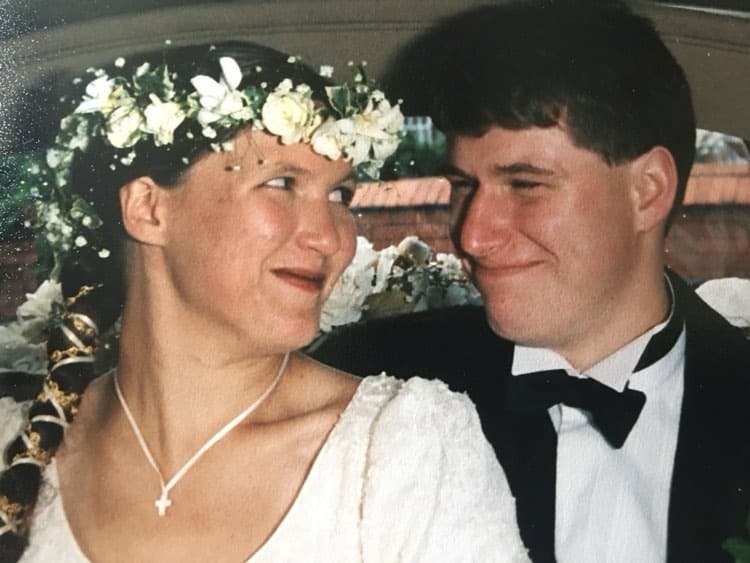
(614, 371)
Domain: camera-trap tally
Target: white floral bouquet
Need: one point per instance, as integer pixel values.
(23, 341)
(404, 278)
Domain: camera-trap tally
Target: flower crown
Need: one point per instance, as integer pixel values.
(360, 126)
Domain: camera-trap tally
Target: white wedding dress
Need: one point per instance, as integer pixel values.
(405, 476)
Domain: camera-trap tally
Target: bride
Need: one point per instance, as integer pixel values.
(202, 197)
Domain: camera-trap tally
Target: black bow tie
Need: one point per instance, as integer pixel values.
(613, 413)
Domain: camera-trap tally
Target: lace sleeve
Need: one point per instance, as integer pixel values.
(12, 418)
(434, 490)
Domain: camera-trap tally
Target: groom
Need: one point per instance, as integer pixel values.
(617, 402)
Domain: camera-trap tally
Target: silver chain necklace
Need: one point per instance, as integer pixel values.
(164, 502)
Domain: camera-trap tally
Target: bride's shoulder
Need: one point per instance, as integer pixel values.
(424, 407)
(12, 418)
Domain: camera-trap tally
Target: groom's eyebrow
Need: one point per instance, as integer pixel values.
(453, 173)
(451, 170)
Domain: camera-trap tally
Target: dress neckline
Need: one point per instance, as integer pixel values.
(349, 411)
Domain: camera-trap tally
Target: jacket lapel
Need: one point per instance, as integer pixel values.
(709, 500)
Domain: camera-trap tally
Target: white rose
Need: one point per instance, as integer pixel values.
(287, 115)
(162, 118)
(124, 126)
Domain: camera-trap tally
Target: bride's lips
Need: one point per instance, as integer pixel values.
(307, 280)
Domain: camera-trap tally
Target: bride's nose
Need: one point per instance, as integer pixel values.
(318, 228)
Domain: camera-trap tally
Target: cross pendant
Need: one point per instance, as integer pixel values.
(163, 503)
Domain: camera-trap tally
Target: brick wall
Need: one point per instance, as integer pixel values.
(386, 227)
(709, 242)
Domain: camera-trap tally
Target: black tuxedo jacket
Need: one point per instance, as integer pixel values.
(710, 496)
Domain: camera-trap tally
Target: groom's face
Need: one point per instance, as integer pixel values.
(546, 231)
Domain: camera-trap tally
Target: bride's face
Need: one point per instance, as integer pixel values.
(257, 237)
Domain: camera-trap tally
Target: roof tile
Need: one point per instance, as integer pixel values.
(413, 192)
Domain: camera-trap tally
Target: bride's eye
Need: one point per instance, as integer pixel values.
(341, 194)
(284, 182)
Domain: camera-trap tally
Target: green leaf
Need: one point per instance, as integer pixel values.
(157, 81)
(256, 96)
(339, 96)
(739, 548)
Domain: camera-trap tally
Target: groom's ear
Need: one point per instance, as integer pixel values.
(654, 188)
(142, 201)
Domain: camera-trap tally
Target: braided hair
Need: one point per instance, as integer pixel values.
(93, 287)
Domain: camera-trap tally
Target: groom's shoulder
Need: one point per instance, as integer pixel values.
(435, 343)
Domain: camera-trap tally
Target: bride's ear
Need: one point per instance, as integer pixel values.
(141, 202)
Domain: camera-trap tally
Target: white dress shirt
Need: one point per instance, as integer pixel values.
(612, 504)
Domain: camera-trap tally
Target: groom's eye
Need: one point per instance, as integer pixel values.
(523, 183)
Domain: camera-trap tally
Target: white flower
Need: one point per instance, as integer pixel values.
(128, 159)
(326, 71)
(124, 126)
(386, 258)
(19, 353)
(730, 297)
(76, 128)
(347, 300)
(450, 265)
(374, 130)
(162, 118)
(98, 96)
(80, 241)
(59, 157)
(418, 251)
(104, 253)
(222, 99)
(289, 114)
(38, 305)
(325, 140)
(359, 150)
